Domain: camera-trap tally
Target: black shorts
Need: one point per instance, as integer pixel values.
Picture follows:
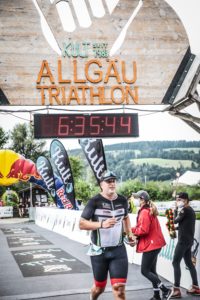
(114, 261)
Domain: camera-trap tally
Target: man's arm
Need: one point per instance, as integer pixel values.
(89, 225)
(127, 225)
(179, 217)
(93, 225)
(128, 231)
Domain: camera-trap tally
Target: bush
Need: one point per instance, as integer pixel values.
(84, 191)
(158, 191)
(10, 199)
(129, 187)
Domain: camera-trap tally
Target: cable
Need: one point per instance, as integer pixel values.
(79, 110)
(17, 116)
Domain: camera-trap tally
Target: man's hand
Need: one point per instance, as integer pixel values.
(110, 222)
(131, 239)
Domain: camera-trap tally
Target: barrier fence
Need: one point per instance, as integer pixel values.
(6, 211)
(66, 222)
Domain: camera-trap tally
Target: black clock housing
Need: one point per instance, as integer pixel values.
(85, 125)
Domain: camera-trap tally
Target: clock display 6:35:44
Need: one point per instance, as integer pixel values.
(82, 125)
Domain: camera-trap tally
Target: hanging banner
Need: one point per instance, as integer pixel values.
(45, 169)
(61, 161)
(94, 152)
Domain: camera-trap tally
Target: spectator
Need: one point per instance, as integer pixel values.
(184, 217)
(150, 242)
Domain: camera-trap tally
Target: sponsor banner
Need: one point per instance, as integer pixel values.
(163, 205)
(24, 240)
(6, 212)
(61, 161)
(195, 205)
(14, 167)
(45, 262)
(53, 183)
(23, 169)
(45, 169)
(94, 152)
(65, 222)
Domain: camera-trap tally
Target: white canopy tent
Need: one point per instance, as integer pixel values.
(188, 178)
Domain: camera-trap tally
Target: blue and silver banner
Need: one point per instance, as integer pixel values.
(60, 159)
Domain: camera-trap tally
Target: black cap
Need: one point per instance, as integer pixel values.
(183, 195)
(142, 194)
(107, 175)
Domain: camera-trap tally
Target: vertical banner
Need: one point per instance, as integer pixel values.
(45, 170)
(60, 160)
(94, 152)
(53, 182)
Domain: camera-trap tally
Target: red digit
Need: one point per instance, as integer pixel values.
(111, 122)
(80, 125)
(63, 126)
(94, 125)
(126, 123)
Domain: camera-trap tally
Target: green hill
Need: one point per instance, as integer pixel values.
(150, 160)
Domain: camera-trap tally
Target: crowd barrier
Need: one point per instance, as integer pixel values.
(66, 222)
(163, 205)
(6, 211)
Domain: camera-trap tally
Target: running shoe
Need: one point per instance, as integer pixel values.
(194, 290)
(167, 294)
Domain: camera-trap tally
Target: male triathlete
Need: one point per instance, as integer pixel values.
(106, 214)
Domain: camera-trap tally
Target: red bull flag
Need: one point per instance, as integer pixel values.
(60, 159)
(7, 159)
(94, 152)
(14, 167)
(23, 169)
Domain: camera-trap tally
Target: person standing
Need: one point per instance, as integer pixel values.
(106, 215)
(184, 217)
(150, 242)
(20, 209)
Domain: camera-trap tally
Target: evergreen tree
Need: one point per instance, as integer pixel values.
(3, 138)
(22, 142)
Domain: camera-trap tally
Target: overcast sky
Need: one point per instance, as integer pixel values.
(152, 126)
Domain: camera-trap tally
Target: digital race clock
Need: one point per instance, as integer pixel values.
(85, 125)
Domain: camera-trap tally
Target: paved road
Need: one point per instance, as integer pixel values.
(36, 263)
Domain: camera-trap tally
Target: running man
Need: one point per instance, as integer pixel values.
(106, 215)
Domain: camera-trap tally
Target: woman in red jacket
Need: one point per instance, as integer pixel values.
(150, 242)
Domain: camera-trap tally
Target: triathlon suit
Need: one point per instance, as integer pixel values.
(113, 258)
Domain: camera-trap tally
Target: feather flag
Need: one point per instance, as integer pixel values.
(94, 152)
(61, 162)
